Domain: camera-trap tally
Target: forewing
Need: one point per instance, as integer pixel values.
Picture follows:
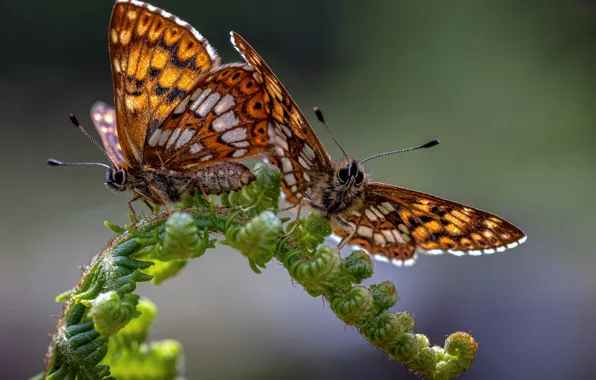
(396, 223)
(223, 119)
(157, 59)
(295, 149)
(104, 119)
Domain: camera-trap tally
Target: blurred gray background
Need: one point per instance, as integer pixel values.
(507, 86)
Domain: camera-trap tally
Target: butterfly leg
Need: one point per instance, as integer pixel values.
(342, 222)
(134, 214)
(138, 196)
(304, 200)
(204, 193)
(288, 208)
(159, 197)
(297, 220)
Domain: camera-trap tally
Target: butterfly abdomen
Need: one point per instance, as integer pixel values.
(163, 185)
(224, 177)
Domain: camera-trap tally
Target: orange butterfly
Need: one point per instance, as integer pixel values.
(181, 119)
(390, 222)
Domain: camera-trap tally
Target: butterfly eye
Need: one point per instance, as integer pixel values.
(359, 177)
(343, 175)
(119, 177)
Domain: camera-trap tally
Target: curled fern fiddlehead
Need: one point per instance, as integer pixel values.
(103, 330)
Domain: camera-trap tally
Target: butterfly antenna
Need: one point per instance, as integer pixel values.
(74, 120)
(53, 162)
(429, 144)
(322, 120)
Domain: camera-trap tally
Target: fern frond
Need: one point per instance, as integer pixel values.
(103, 330)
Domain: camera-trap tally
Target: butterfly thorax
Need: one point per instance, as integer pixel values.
(166, 185)
(342, 191)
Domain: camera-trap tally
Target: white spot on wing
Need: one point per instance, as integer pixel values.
(290, 179)
(224, 104)
(173, 138)
(185, 137)
(383, 210)
(241, 144)
(238, 134)
(286, 165)
(195, 148)
(239, 153)
(164, 137)
(377, 212)
(183, 24)
(109, 116)
(402, 227)
(283, 143)
(117, 67)
(380, 240)
(388, 236)
(388, 206)
(224, 122)
(369, 214)
(397, 262)
(286, 130)
(303, 163)
(398, 237)
(382, 258)
(208, 104)
(309, 152)
(271, 135)
(195, 95)
(202, 95)
(182, 106)
(155, 137)
(410, 262)
(365, 231)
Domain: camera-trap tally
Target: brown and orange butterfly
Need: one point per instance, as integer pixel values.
(181, 119)
(390, 222)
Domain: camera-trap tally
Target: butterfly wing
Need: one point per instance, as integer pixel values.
(296, 150)
(104, 119)
(395, 223)
(223, 119)
(157, 59)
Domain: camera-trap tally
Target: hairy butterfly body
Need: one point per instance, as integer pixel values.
(390, 222)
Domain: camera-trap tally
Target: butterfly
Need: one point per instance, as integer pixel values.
(392, 223)
(181, 120)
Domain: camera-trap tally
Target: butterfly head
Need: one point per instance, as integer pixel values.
(116, 179)
(351, 173)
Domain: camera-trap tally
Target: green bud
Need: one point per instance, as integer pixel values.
(359, 265)
(181, 239)
(353, 307)
(110, 313)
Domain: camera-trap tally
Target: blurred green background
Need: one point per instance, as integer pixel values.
(509, 88)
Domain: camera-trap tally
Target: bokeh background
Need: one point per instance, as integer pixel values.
(509, 88)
